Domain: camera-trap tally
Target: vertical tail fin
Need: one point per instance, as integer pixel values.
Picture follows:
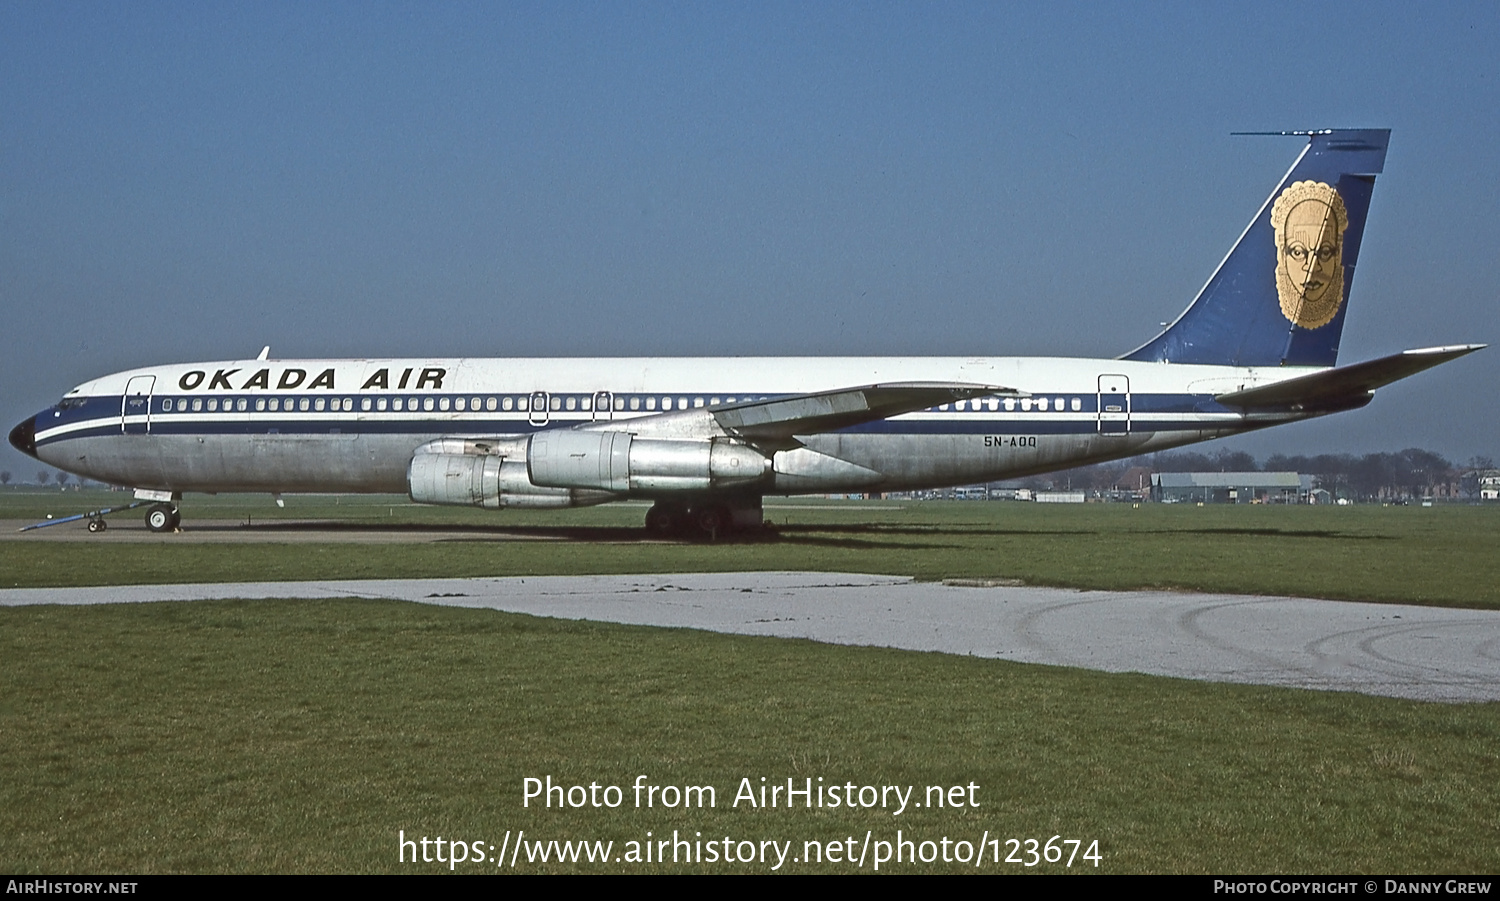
(1279, 297)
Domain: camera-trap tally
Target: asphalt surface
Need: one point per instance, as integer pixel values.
(1423, 653)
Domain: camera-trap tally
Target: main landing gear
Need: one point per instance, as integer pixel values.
(711, 519)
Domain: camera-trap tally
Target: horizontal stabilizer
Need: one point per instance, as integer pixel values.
(807, 414)
(1345, 385)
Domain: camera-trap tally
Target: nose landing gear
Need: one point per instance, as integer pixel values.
(161, 518)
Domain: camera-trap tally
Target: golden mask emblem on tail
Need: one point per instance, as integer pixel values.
(1309, 219)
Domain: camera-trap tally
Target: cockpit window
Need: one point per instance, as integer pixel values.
(71, 403)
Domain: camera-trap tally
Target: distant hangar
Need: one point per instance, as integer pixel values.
(1235, 488)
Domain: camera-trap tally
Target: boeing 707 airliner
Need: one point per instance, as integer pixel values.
(707, 439)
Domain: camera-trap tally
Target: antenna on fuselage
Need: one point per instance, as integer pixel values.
(265, 353)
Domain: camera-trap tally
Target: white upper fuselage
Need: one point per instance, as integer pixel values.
(520, 375)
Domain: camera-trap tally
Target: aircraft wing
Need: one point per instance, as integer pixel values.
(778, 419)
(1345, 386)
(769, 424)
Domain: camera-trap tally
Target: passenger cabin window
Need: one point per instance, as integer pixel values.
(635, 403)
(320, 404)
(442, 404)
(572, 403)
(506, 403)
(426, 403)
(1076, 405)
(459, 404)
(490, 404)
(556, 403)
(303, 404)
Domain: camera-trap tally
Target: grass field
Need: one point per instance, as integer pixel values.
(1442, 555)
(280, 736)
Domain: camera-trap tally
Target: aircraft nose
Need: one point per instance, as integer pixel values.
(23, 437)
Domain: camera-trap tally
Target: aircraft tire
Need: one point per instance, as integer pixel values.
(97, 525)
(665, 520)
(159, 518)
(713, 520)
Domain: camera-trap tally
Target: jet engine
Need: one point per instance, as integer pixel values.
(621, 462)
(482, 473)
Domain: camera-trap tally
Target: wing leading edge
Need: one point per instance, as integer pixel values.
(775, 421)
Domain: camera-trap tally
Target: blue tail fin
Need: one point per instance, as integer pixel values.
(1280, 296)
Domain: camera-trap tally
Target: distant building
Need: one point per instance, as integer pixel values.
(1136, 480)
(1060, 497)
(1489, 485)
(1230, 487)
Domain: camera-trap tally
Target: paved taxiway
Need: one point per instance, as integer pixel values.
(1424, 653)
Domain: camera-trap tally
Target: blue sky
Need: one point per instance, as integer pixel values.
(192, 181)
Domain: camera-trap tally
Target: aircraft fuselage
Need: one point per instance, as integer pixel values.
(354, 425)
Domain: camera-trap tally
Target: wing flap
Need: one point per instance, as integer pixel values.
(1345, 385)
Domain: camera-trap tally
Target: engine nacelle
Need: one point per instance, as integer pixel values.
(486, 480)
(621, 462)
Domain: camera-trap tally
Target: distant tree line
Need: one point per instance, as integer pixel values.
(1410, 473)
(43, 477)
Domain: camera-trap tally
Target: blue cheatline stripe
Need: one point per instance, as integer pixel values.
(100, 416)
(1057, 403)
(437, 428)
